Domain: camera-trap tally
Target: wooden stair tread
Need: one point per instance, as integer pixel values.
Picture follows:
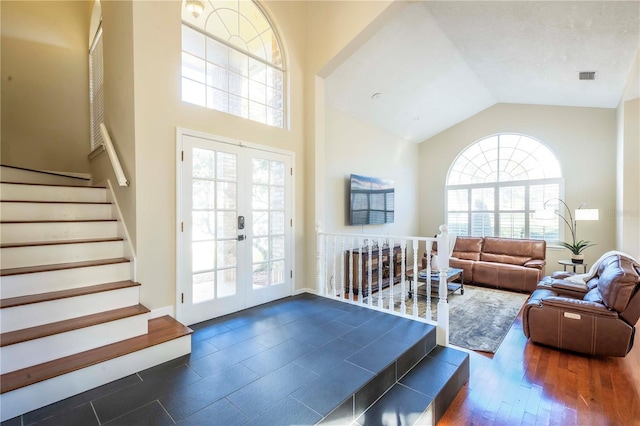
(54, 184)
(60, 242)
(161, 330)
(60, 266)
(63, 294)
(59, 327)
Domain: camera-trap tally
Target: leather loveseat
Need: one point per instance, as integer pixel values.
(509, 263)
(596, 318)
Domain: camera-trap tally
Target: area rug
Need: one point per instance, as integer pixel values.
(479, 319)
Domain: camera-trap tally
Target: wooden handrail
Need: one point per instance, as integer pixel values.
(113, 156)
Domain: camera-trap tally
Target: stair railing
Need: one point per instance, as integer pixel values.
(113, 156)
(357, 268)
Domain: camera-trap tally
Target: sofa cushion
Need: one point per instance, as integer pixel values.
(518, 248)
(617, 281)
(503, 258)
(467, 248)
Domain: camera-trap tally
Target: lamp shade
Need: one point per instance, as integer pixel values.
(545, 214)
(587, 214)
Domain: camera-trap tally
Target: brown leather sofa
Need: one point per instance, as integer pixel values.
(596, 318)
(509, 263)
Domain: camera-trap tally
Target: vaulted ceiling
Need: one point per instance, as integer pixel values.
(437, 63)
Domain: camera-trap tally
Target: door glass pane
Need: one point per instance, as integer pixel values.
(204, 225)
(204, 194)
(227, 166)
(277, 173)
(227, 195)
(277, 248)
(260, 223)
(226, 282)
(203, 287)
(277, 272)
(227, 224)
(204, 162)
(260, 171)
(203, 255)
(277, 198)
(260, 275)
(277, 223)
(227, 254)
(260, 250)
(260, 197)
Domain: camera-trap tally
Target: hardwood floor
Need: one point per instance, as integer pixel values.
(528, 384)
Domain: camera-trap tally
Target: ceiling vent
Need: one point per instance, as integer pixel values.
(587, 75)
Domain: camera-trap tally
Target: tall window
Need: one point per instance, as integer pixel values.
(232, 61)
(495, 185)
(96, 89)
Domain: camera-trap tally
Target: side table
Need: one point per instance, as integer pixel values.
(566, 263)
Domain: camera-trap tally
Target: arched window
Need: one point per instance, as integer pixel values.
(496, 184)
(232, 60)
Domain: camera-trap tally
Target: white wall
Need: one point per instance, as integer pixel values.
(583, 139)
(359, 148)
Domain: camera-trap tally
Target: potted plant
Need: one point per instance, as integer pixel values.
(576, 247)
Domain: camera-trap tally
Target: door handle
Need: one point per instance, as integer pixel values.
(241, 237)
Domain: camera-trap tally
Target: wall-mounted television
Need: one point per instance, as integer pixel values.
(372, 200)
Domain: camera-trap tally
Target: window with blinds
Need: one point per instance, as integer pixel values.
(496, 184)
(96, 89)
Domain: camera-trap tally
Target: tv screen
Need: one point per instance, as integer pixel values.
(372, 200)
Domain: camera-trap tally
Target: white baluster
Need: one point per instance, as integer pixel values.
(326, 263)
(391, 268)
(343, 256)
(428, 280)
(380, 272)
(369, 273)
(416, 275)
(334, 293)
(403, 267)
(360, 271)
(442, 332)
(351, 269)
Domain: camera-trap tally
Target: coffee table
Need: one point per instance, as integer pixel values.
(452, 275)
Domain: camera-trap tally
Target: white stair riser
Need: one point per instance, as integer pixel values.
(38, 395)
(9, 174)
(34, 352)
(17, 257)
(54, 211)
(54, 231)
(35, 314)
(43, 282)
(17, 192)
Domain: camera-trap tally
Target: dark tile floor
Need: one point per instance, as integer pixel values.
(294, 361)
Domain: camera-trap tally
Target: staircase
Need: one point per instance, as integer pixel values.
(70, 315)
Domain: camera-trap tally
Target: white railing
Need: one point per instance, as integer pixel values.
(113, 156)
(352, 268)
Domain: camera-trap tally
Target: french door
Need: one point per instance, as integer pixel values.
(235, 244)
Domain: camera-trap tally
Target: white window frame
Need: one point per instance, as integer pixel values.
(496, 186)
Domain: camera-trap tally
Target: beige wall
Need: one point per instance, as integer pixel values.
(627, 212)
(45, 85)
(159, 110)
(117, 38)
(356, 147)
(583, 139)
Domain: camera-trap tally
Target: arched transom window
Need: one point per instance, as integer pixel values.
(232, 60)
(496, 184)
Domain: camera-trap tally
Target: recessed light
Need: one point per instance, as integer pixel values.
(376, 96)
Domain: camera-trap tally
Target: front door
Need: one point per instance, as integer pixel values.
(235, 243)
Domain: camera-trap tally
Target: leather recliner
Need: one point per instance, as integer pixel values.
(595, 318)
